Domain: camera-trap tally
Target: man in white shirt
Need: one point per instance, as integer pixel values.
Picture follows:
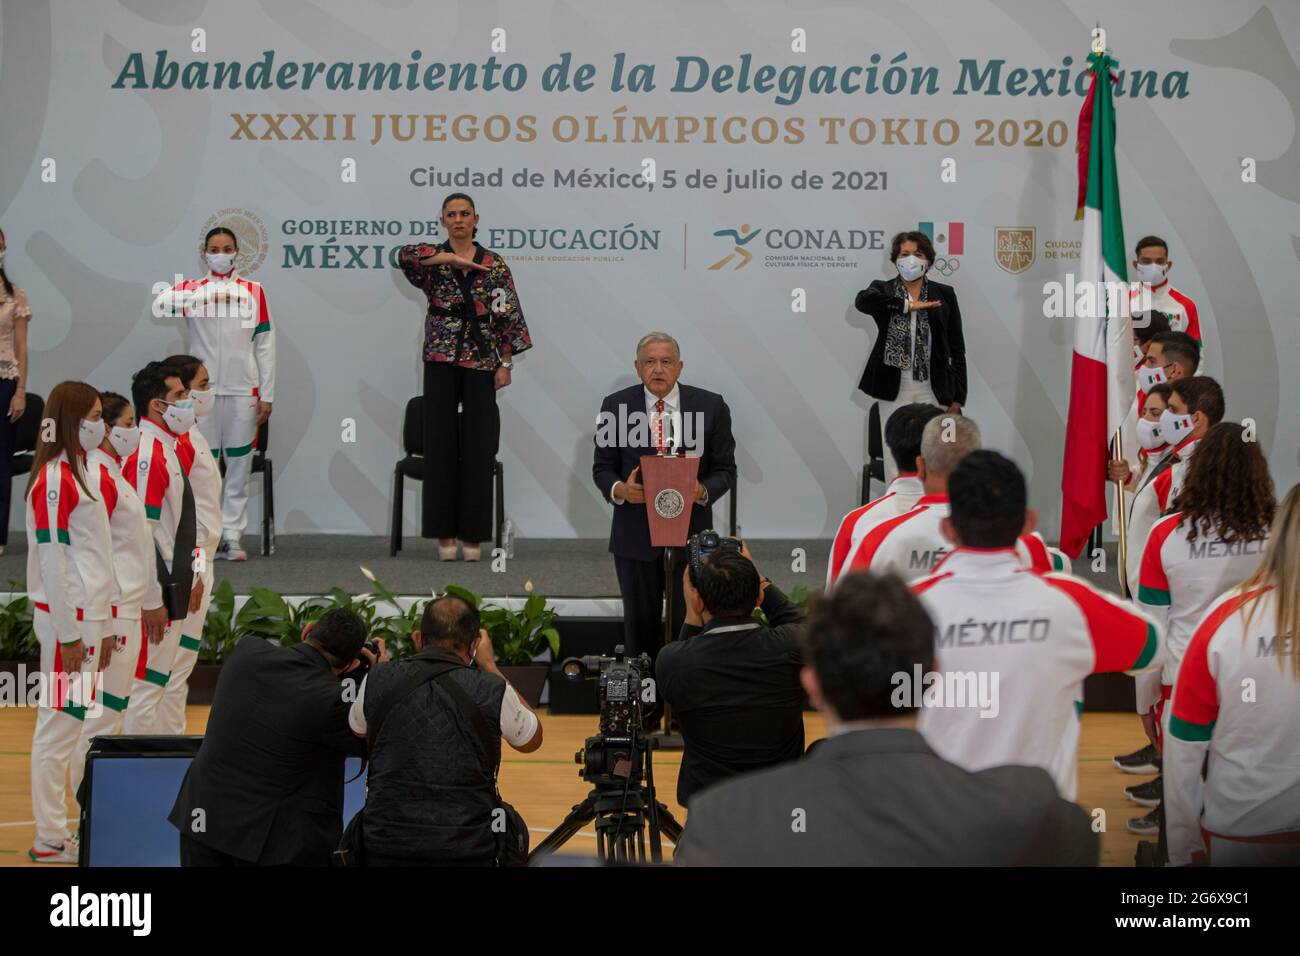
(911, 544)
(903, 433)
(1024, 640)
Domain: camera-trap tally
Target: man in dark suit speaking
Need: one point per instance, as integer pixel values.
(658, 413)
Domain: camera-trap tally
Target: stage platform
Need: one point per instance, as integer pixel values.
(576, 574)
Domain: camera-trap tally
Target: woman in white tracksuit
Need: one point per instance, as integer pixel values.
(70, 584)
(230, 333)
(133, 564)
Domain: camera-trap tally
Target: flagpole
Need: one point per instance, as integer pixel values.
(1122, 518)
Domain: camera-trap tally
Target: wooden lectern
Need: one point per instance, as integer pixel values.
(669, 482)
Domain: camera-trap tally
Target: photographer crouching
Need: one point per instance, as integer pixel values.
(266, 787)
(732, 682)
(435, 722)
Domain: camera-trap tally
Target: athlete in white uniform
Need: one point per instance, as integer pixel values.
(912, 544)
(1022, 640)
(133, 569)
(200, 466)
(230, 333)
(70, 585)
(1212, 543)
(1195, 404)
(1246, 809)
(166, 412)
(903, 439)
(1151, 265)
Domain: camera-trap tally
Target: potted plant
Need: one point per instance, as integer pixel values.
(18, 644)
(519, 639)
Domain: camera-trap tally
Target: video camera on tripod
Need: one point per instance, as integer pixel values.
(617, 763)
(622, 686)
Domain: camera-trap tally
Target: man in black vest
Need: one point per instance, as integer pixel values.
(637, 421)
(266, 787)
(431, 789)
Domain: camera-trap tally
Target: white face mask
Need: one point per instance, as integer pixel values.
(1137, 354)
(220, 262)
(203, 401)
(1151, 273)
(911, 267)
(1174, 427)
(2, 260)
(1148, 434)
(1148, 377)
(124, 440)
(91, 435)
(180, 416)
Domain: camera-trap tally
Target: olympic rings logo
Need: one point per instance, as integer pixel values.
(946, 267)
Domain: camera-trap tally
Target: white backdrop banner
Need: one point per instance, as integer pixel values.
(729, 172)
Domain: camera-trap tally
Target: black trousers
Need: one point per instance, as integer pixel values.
(7, 434)
(196, 854)
(459, 450)
(641, 583)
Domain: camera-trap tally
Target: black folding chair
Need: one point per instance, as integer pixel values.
(875, 464)
(262, 466)
(412, 466)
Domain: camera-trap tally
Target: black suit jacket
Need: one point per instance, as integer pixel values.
(884, 798)
(629, 535)
(734, 688)
(947, 346)
(269, 773)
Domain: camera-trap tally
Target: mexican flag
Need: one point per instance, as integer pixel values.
(1103, 389)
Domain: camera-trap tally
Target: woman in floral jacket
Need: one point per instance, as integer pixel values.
(473, 330)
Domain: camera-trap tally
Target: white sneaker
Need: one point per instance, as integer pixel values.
(447, 552)
(469, 552)
(45, 853)
(229, 550)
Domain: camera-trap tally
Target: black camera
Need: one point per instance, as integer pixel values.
(363, 663)
(620, 689)
(700, 547)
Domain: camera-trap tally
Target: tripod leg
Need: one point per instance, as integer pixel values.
(577, 818)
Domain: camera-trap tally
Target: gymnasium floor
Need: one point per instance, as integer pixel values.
(543, 786)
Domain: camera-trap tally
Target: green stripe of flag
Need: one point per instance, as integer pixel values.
(1103, 174)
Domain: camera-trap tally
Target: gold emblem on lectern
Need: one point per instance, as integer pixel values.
(1013, 248)
(669, 503)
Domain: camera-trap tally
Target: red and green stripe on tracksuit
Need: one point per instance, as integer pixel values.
(1237, 701)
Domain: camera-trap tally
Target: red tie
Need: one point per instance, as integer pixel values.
(659, 427)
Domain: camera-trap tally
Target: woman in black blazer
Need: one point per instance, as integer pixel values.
(919, 355)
